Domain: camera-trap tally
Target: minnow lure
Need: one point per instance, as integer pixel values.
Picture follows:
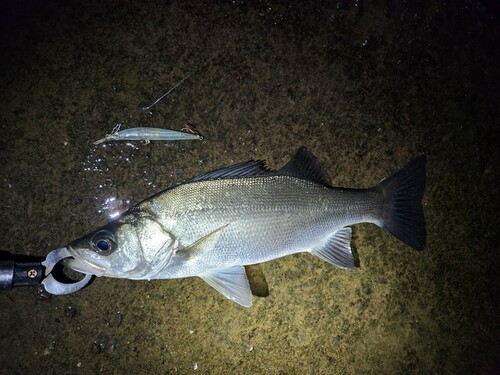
(150, 134)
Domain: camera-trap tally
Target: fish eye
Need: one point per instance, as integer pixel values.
(103, 243)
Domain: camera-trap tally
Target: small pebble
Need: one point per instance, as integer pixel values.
(43, 294)
(70, 311)
(95, 348)
(116, 320)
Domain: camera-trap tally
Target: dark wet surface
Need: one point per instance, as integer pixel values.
(365, 87)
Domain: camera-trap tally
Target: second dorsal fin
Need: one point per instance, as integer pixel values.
(306, 166)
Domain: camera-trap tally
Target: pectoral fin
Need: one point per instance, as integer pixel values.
(206, 242)
(232, 283)
(337, 250)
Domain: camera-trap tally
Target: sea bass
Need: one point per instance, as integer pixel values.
(214, 224)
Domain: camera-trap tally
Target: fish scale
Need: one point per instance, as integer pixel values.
(305, 211)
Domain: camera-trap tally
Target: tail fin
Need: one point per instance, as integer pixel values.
(403, 191)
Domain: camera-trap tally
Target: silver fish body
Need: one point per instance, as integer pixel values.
(214, 224)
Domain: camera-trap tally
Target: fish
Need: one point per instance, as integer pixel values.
(215, 224)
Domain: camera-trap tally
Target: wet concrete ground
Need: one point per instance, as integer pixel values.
(366, 87)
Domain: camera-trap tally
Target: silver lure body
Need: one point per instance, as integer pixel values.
(217, 223)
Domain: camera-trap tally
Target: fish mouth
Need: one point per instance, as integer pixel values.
(81, 262)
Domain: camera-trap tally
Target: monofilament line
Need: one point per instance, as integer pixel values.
(168, 92)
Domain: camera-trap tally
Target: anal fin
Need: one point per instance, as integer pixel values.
(337, 250)
(232, 283)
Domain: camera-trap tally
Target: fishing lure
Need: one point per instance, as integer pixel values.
(150, 134)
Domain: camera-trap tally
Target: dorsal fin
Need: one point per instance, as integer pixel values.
(250, 168)
(303, 165)
(306, 166)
